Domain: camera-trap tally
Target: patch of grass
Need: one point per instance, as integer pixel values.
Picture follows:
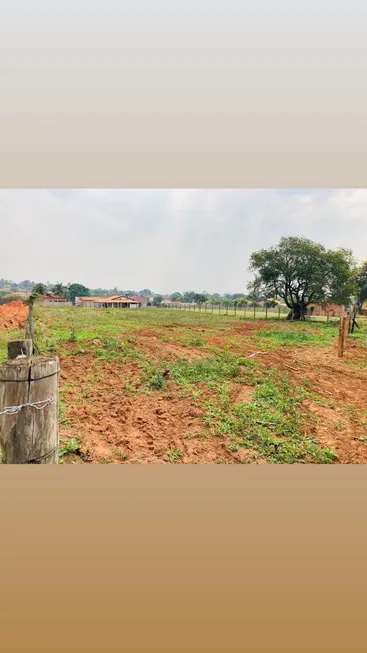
(152, 375)
(6, 335)
(303, 335)
(272, 424)
(69, 447)
(73, 336)
(107, 460)
(198, 436)
(63, 413)
(174, 455)
(157, 382)
(196, 342)
(339, 426)
(216, 368)
(110, 349)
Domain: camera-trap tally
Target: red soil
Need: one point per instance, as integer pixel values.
(13, 315)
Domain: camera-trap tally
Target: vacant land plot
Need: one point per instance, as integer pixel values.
(162, 386)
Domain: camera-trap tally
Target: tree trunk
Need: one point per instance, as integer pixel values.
(297, 312)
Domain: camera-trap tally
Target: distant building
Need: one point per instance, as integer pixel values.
(51, 299)
(324, 310)
(169, 303)
(142, 301)
(118, 301)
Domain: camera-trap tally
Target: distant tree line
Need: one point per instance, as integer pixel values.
(296, 272)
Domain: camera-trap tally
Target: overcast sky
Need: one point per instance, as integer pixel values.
(166, 240)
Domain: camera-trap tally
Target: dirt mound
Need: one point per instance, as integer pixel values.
(13, 315)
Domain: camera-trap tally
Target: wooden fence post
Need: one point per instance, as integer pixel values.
(341, 337)
(29, 411)
(22, 348)
(346, 329)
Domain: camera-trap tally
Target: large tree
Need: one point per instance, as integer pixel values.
(361, 280)
(200, 298)
(77, 290)
(176, 297)
(60, 290)
(39, 289)
(157, 300)
(301, 272)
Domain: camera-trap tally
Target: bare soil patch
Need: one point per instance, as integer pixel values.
(116, 426)
(13, 315)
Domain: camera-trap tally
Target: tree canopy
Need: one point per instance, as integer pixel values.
(300, 272)
(39, 289)
(200, 298)
(157, 300)
(77, 290)
(60, 290)
(176, 297)
(361, 281)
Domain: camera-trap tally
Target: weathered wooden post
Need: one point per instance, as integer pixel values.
(266, 312)
(341, 336)
(346, 329)
(29, 411)
(21, 348)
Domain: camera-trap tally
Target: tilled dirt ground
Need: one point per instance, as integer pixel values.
(13, 315)
(140, 428)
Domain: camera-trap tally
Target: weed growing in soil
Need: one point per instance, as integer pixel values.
(73, 336)
(69, 447)
(174, 455)
(196, 342)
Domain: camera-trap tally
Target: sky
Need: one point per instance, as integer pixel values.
(166, 240)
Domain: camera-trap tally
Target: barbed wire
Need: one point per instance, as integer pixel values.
(38, 405)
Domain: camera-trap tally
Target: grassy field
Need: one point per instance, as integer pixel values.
(168, 386)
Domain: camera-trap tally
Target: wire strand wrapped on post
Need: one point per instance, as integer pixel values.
(38, 405)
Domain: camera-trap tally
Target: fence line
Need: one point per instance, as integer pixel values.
(55, 304)
(258, 312)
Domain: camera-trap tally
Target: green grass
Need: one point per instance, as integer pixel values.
(303, 335)
(272, 424)
(57, 328)
(174, 455)
(5, 336)
(215, 368)
(68, 447)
